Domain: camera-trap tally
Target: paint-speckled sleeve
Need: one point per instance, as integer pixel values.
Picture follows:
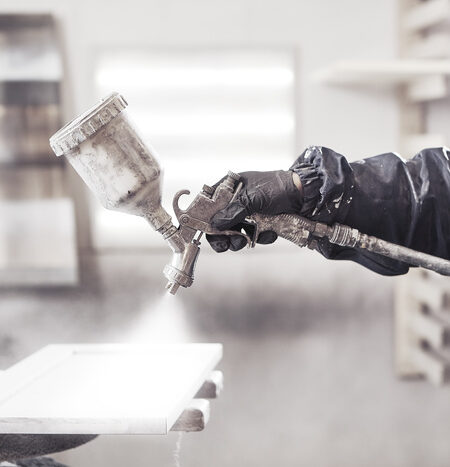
(404, 202)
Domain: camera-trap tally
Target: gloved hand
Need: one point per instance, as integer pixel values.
(272, 193)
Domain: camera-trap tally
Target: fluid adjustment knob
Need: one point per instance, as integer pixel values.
(209, 190)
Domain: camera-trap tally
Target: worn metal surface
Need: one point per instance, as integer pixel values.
(110, 156)
(302, 231)
(196, 220)
(30, 74)
(107, 152)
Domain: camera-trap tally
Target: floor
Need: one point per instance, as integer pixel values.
(308, 359)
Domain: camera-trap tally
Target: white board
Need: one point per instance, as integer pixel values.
(103, 389)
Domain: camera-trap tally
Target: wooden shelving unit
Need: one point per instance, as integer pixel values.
(420, 74)
(37, 227)
(422, 327)
(422, 318)
(383, 73)
(419, 16)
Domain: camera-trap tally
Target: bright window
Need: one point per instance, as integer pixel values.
(205, 112)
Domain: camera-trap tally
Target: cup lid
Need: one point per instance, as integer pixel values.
(81, 128)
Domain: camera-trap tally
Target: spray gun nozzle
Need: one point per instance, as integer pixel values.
(181, 270)
(172, 287)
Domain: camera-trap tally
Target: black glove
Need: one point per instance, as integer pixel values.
(263, 192)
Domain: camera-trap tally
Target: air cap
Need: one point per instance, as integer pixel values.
(81, 128)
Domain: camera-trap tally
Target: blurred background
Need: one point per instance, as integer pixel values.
(314, 350)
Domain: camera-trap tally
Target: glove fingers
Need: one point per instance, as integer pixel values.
(222, 243)
(219, 243)
(237, 242)
(230, 216)
(267, 237)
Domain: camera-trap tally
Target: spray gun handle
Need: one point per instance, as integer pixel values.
(194, 221)
(197, 217)
(304, 232)
(291, 227)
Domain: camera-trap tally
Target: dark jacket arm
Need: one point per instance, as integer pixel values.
(404, 202)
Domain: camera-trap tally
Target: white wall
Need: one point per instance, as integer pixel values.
(323, 31)
(354, 122)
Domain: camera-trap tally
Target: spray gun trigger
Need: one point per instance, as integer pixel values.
(236, 192)
(231, 233)
(255, 233)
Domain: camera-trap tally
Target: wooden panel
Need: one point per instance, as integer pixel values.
(103, 389)
(404, 338)
(422, 326)
(427, 89)
(430, 291)
(436, 45)
(381, 72)
(31, 52)
(430, 364)
(426, 14)
(30, 182)
(430, 328)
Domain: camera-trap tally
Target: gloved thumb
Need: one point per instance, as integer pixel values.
(231, 215)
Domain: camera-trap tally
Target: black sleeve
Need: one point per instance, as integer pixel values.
(404, 202)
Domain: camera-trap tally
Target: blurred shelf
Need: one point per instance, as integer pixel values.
(422, 326)
(29, 48)
(427, 14)
(17, 77)
(427, 89)
(30, 113)
(436, 45)
(22, 163)
(37, 229)
(31, 182)
(381, 73)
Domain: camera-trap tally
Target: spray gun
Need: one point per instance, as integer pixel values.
(107, 152)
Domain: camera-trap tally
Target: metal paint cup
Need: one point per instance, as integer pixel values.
(106, 150)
